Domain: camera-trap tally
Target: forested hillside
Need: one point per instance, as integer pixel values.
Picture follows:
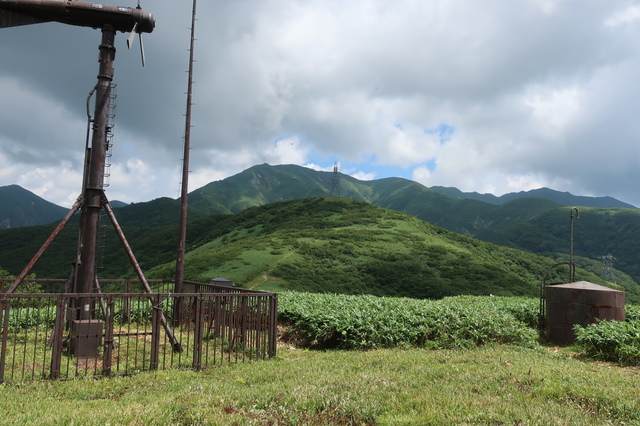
(537, 225)
(318, 244)
(345, 246)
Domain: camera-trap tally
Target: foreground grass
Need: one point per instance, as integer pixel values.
(488, 385)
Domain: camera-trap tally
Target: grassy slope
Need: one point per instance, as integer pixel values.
(335, 245)
(488, 385)
(532, 224)
(345, 246)
(526, 224)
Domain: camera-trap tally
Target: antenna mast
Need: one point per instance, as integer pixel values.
(182, 227)
(572, 267)
(335, 181)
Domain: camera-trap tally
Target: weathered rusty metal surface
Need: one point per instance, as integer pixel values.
(79, 13)
(579, 303)
(93, 191)
(184, 190)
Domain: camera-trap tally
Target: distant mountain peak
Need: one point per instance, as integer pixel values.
(263, 184)
(21, 207)
(563, 198)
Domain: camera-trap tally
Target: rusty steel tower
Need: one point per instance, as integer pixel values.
(109, 19)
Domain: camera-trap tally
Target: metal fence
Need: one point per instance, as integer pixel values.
(48, 285)
(133, 332)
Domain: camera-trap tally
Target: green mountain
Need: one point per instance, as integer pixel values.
(19, 207)
(317, 244)
(264, 184)
(597, 233)
(563, 198)
(468, 213)
(346, 246)
(539, 225)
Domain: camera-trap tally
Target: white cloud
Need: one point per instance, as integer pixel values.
(552, 109)
(319, 168)
(410, 146)
(422, 174)
(540, 92)
(59, 183)
(628, 15)
(363, 175)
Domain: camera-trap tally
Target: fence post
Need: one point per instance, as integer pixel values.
(127, 303)
(259, 326)
(217, 316)
(108, 345)
(244, 329)
(5, 307)
(273, 325)
(56, 351)
(197, 333)
(156, 301)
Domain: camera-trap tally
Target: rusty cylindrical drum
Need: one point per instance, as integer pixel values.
(580, 303)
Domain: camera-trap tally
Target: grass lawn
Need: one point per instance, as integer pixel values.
(488, 385)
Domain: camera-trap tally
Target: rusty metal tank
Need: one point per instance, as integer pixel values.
(580, 303)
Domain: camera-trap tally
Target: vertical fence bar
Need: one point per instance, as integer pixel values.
(215, 325)
(266, 300)
(45, 351)
(56, 351)
(234, 325)
(5, 305)
(259, 329)
(38, 322)
(197, 333)
(127, 302)
(156, 300)
(273, 325)
(108, 345)
(208, 318)
(272, 330)
(244, 312)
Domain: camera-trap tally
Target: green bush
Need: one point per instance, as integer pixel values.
(617, 341)
(365, 322)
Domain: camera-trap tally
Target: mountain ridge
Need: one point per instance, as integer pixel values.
(530, 224)
(263, 184)
(566, 199)
(21, 207)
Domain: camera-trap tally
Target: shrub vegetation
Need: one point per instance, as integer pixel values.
(366, 322)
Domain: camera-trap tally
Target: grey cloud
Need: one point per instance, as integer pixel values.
(339, 76)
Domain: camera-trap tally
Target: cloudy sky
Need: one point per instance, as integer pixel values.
(495, 96)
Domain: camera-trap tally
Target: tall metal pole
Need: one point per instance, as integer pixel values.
(572, 267)
(182, 226)
(94, 186)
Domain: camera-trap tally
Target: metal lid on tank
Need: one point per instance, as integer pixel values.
(585, 285)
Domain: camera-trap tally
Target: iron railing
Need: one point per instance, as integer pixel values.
(57, 285)
(126, 335)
